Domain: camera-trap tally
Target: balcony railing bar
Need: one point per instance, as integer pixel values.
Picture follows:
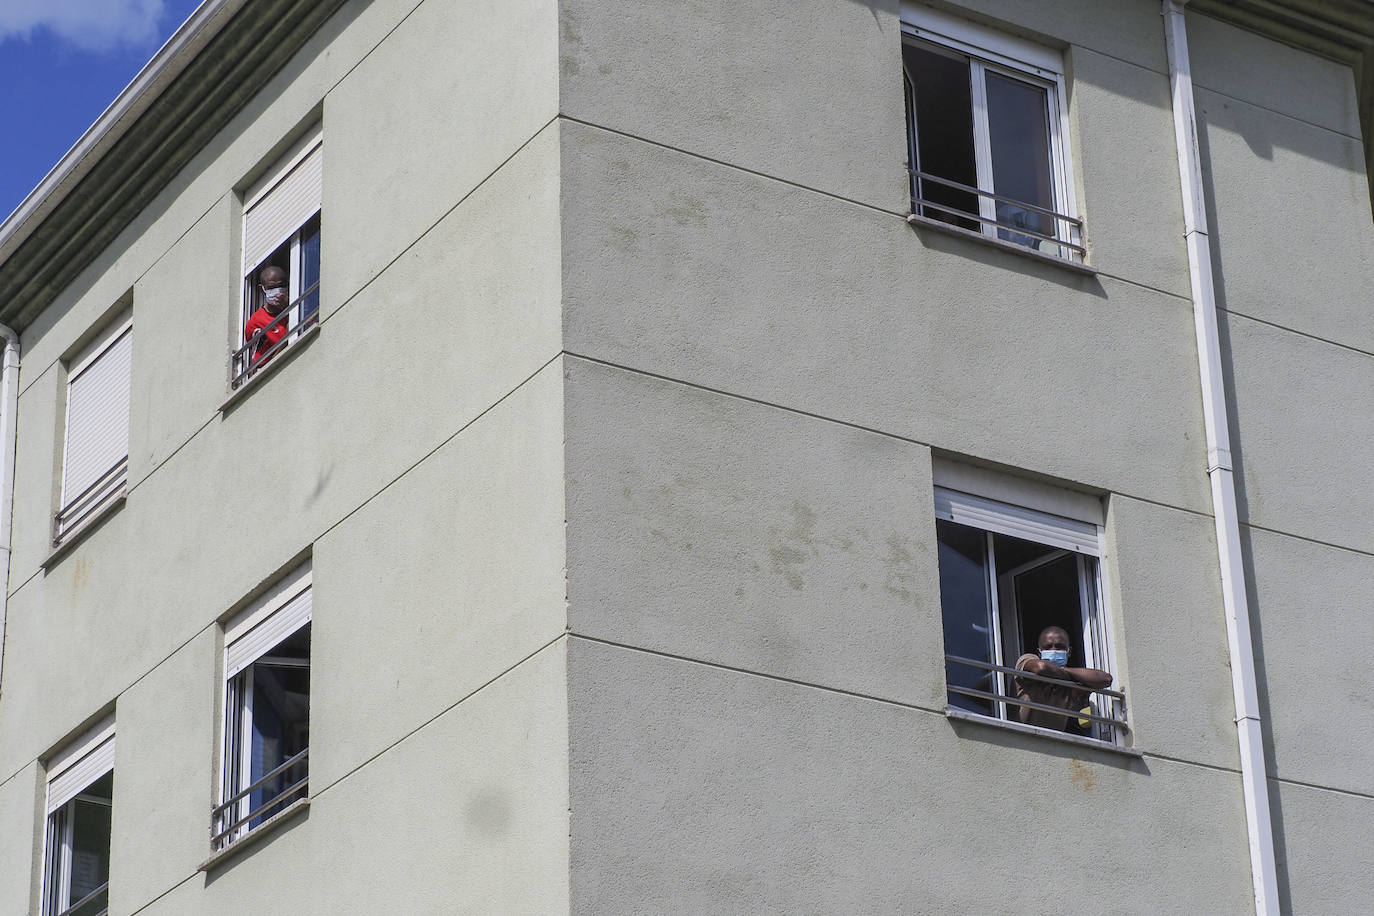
(290, 762)
(276, 799)
(1078, 223)
(1030, 704)
(62, 523)
(242, 357)
(1019, 230)
(87, 899)
(1017, 672)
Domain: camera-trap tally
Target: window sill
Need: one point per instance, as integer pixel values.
(922, 223)
(281, 359)
(87, 525)
(254, 836)
(964, 715)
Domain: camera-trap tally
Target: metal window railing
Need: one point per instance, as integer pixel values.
(80, 507)
(76, 908)
(1111, 702)
(1068, 230)
(246, 360)
(224, 825)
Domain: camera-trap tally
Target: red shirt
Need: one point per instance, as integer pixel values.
(256, 322)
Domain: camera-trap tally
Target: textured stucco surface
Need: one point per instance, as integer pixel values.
(697, 789)
(845, 312)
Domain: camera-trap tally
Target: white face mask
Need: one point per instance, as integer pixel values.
(275, 293)
(1059, 656)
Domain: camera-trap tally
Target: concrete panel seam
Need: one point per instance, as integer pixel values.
(458, 432)
(730, 165)
(1230, 771)
(1321, 788)
(331, 88)
(350, 513)
(782, 679)
(134, 683)
(443, 216)
(316, 794)
(815, 416)
(342, 305)
(1313, 337)
(837, 197)
(139, 279)
(1308, 540)
(1274, 111)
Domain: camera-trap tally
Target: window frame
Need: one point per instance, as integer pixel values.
(70, 772)
(252, 634)
(988, 50)
(112, 484)
(1077, 535)
(242, 367)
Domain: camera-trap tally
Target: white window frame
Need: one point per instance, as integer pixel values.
(1016, 58)
(76, 511)
(248, 636)
(1080, 535)
(309, 147)
(69, 773)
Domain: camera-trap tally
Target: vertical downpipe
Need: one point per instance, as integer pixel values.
(1249, 733)
(9, 406)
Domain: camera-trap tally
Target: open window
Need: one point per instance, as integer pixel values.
(1006, 574)
(266, 710)
(281, 230)
(76, 845)
(95, 448)
(986, 133)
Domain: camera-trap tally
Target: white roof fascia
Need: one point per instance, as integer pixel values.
(145, 88)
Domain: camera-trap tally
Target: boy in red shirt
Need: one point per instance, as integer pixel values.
(272, 282)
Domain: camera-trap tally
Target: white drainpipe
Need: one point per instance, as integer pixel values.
(1254, 776)
(9, 406)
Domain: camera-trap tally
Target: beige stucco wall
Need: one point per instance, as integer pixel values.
(414, 446)
(1289, 200)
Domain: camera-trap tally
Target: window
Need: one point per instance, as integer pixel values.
(986, 133)
(266, 709)
(281, 231)
(1006, 574)
(76, 845)
(95, 457)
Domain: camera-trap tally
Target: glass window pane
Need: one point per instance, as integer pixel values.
(281, 723)
(966, 606)
(310, 268)
(1019, 133)
(90, 864)
(943, 119)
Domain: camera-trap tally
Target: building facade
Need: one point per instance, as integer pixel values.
(678, 421)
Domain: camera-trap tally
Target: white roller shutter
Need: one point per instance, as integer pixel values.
(1027, 524)
(254, 631)
(281, 202)
(98, 413)
(81, 763)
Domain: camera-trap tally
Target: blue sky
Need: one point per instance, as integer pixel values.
(61, 63)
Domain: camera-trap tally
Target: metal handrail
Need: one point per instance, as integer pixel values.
(287, 764)
(1059, 681)
(1031, 704)
(87, 899)
(1074, 223)
(62, 524)
(242, 356)
(275, 800)
(995, 196)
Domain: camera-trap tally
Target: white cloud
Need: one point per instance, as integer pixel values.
(96, 25)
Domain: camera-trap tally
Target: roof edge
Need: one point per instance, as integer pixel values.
(168, 63)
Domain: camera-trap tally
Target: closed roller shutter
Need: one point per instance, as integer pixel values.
(289, 196)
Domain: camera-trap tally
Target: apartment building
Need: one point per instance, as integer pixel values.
(660, 433)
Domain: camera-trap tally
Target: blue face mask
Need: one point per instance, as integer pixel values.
(1059, 656)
